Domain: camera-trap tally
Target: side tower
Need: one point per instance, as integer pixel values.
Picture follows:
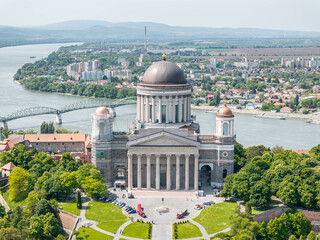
(225, 134)
(225, 122)
(101, 139)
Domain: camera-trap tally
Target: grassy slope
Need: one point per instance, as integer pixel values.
(70, 207)
(108, 215)
(93, 234)
(216, 217)
(188, 230)
(136, 230)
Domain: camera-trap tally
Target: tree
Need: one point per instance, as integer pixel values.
(18, 182)
(260, 193)
(292, 237)
(301, 238)
(93, 187)
(69, 182)
(63, 130)
(311, 236)
(2, 211)
(254, 151)
(10, 233)
(79, 200)
(248, 208)
(43, 207)
(277, 149)
(47, 127)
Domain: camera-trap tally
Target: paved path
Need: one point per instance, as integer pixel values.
(161, 231)
(202, 230)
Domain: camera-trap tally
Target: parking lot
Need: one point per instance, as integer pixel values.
(172, 200)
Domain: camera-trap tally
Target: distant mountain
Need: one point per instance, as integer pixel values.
(92, 30)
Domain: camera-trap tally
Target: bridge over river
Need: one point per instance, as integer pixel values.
(90, 103)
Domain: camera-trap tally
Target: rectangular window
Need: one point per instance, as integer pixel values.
(177, 113)
(150, 112)
(163, 112)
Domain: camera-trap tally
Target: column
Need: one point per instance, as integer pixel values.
(177, 172)
(138, 107)
(157, 172)
(168, 172)
(147, 109)
(139, 172)
(153, 110)
(148, 173)
(173, 109)
(130, 171)
(185, 105)
(186, 181)
(180, 109)
(196, 171)
(167, 110)
(160, 109)
(142, 108)
(189, 107)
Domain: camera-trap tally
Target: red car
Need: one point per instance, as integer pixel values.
(141, 213)
(182, 214)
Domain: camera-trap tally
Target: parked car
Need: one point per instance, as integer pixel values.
(208, 203)
(198, 207)
(182, 214)
(142, 214)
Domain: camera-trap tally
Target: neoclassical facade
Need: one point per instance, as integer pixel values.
(163, 148)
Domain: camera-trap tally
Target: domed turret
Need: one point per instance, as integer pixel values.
(164, 73)
(102, 111)
(225, 112)
(225, 122)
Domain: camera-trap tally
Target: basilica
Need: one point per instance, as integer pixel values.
(163, 148)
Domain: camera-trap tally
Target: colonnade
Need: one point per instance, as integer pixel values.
(169, 162)
(164, 109)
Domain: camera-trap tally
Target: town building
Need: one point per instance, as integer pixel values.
(163, 148)
(7, 169)
(78, 144)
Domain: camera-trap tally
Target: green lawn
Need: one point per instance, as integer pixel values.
(108, 215)
(13, 204)
(70, 207)
(93, 234)
(188, 230)
(216, 217)
(136, 230)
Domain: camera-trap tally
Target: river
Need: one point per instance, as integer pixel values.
(291, 134)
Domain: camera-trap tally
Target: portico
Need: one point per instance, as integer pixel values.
(147, 171)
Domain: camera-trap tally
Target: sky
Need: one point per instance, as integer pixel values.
(268, 14)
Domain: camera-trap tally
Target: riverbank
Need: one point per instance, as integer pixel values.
(296, 116)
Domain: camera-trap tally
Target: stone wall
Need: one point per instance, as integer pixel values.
(67, 221)
(270, 214)
(310, 215)
(4, 204)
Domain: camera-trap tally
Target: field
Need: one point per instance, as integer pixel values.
(188, 230)
(108, 215)
(92, 234)
(136, 230)
(70, 207)
(216, 217)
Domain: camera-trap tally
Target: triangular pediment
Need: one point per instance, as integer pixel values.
(164, 139)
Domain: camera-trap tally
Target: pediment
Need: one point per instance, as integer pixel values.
(163, 139)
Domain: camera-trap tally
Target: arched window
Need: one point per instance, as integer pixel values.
(225, 129)
(225, 173)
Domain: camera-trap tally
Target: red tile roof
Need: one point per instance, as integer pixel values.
(64, 137)
(8, 166)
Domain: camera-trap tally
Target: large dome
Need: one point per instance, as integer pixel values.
(164, 73)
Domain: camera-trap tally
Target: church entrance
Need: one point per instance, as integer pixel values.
(205, 177)
(163, 179)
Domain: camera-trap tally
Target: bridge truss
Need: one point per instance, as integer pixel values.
(84, 104)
